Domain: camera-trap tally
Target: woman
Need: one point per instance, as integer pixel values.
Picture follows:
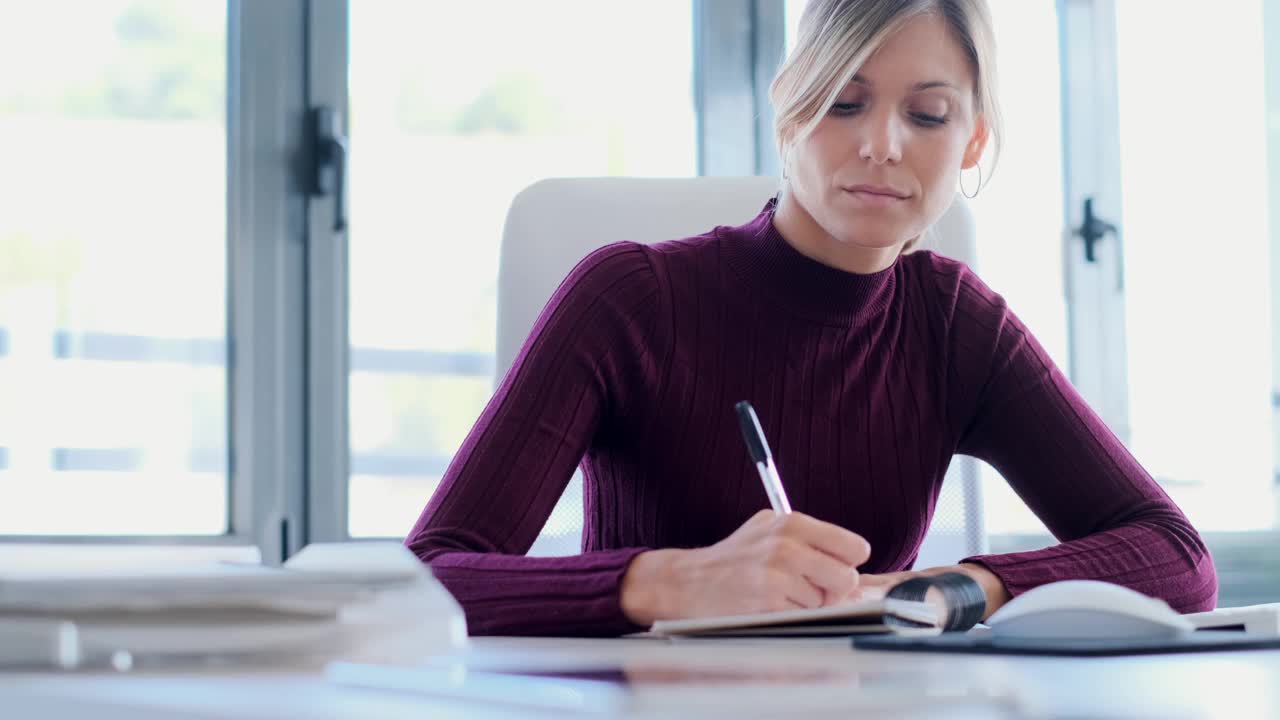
(869, 369)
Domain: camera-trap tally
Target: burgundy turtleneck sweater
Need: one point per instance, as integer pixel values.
(866, 386)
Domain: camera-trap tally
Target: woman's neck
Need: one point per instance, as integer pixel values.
(803, 233)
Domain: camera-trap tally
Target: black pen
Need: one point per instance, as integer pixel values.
(758, 447)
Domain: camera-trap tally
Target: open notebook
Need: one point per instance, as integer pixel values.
(873, 615)
(958, 605)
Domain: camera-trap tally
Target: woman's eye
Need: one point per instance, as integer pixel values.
(928, 120)
(845, 108)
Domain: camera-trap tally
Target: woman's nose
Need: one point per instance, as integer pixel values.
(881, 139)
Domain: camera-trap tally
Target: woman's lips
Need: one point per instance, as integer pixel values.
(876, 196)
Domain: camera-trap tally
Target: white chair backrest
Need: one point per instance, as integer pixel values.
(554, 223)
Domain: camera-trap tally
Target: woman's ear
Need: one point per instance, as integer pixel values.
(977, 143)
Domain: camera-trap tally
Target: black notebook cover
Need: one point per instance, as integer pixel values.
(962, 642)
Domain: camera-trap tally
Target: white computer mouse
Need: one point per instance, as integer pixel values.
(1086, 609)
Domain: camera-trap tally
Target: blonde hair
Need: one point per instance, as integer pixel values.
(837, 36)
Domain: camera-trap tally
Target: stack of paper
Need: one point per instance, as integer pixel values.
(331, 600)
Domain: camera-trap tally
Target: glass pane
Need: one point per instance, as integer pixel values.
(1018, 212)
(113, 406)
(1199, 248)
(448, 123)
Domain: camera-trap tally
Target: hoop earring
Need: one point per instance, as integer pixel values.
(979, 188)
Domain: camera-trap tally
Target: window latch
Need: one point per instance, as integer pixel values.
(1092, 230)
(329, 161)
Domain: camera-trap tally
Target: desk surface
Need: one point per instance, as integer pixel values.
(1240, 684)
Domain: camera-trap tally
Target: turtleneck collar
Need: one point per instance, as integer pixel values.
(806, 287)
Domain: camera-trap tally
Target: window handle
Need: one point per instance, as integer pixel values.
(1092, 230)
(329, 166)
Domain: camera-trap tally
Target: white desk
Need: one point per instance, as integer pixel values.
(1241, 684)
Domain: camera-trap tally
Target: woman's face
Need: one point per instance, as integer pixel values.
(883, 164)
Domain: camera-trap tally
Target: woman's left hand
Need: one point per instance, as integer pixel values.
(877, 585)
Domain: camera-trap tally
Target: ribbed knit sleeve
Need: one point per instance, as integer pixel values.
(589, 346)
(1016, 410)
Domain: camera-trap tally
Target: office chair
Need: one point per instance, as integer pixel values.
(554, 223)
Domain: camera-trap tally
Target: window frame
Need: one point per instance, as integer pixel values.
(328, 455)
(737, 47)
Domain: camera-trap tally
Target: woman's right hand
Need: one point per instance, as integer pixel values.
(772, 562)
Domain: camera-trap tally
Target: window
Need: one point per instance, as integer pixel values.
(447, 125)
(113, 268)
(1198, 244)
(1196, 188)
(1018, 211)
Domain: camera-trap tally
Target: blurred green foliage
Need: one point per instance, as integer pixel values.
(513, 103)
(52, 261)
(162, 64)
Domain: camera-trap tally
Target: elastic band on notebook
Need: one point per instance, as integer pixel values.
(963, 596)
